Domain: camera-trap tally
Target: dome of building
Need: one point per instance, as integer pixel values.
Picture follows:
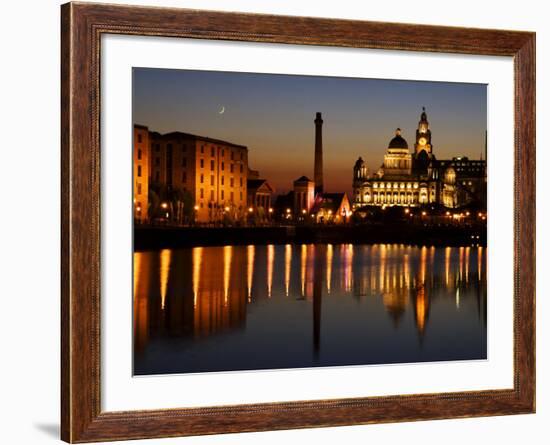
(398, 141)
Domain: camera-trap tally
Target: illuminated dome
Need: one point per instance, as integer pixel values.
(398, 141)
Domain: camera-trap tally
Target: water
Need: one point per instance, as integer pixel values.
(289, 306)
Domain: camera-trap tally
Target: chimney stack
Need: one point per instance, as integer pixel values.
(318, 174)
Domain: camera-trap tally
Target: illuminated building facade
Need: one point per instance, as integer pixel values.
(211, 172)
(418, 178)
(141, 173)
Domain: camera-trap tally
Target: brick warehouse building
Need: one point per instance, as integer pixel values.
(184, 170)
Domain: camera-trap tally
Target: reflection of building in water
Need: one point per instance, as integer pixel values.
(205, 290)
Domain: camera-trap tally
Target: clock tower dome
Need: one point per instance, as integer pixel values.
(423, 136)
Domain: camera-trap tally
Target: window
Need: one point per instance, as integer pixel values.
(139, 138)
(211, 195)
(231, 168)
(241, 168)
(202, 179)
(139, 153)
(202, 148)
(211, 179)
(231, 182)
(184, 177)
(223, 152)
(202, 163)
(232, 155)
(222, 180)
(157, 161)
(223, 166)
(231, 196)
(212, 165)
(212, 152)
(184, 162)
(139, 170)
(202, 193)
(241, 180)
(223, 194)
(139, 188)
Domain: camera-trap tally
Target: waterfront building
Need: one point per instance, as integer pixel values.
(208, 174)
(304, 195)
(141, 173)
(259, 193)
(331, 208)
(418, 178)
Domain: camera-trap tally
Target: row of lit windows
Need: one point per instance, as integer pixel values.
(395, 185)
(222, 195)
(222, 180)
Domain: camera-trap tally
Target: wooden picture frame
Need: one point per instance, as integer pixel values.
(82, 26)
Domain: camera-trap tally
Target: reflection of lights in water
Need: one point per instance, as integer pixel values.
(383, 254)
(227, 254)
(457, 298)
(250, 251)
(348, 273)
(303, 261)
(270, 260)
(460, 262)
(137, 271)
(165, 259)
(330, 255)
(197, 260)
(288, 262)
(467, 262)
(479, 261)
(421, 308)
(406, 271)
(447, 264)
(423, 256)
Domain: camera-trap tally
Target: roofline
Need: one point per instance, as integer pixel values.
(197, 137)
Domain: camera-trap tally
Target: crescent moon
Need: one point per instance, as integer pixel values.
(222, 110)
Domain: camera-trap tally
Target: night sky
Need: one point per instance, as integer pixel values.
(273, 116)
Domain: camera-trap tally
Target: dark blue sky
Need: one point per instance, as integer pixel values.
(273, 116)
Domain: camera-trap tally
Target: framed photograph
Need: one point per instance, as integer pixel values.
(275, 222)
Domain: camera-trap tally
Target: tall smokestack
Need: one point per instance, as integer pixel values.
(318, 174)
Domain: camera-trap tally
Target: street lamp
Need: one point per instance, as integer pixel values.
(164, 205)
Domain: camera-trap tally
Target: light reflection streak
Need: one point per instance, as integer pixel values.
(330, 255)
(250, 251)
(270, 260)
(197, 261)
(165, 260)
(288, 264)
(227, 255)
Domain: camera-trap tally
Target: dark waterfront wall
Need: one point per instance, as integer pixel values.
(152, 238)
